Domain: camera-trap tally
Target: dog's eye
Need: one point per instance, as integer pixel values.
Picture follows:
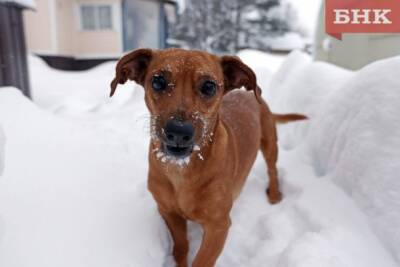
(209, 88)
(158, 83)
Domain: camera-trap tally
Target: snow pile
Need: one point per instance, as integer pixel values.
(363, 155)
(24, 3)
(354, 132)
(302, 86)
(73, 92)
(74, 190)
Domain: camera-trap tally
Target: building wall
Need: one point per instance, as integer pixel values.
(65, 27)
(106, 43)
(38, 28)
(54, 29)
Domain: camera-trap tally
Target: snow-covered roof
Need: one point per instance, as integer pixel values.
(23, 3)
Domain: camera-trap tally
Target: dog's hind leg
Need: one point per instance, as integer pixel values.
(269, 148)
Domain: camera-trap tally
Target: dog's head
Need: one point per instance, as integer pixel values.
(183, 92)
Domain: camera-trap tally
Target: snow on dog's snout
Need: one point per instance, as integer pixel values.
(203, 134)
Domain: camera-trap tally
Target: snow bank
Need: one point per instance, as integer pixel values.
(75, 92)
(354, 133)
(357, 141)
(74, 191)
(302, 86)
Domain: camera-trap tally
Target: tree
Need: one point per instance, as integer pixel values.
(228, 25)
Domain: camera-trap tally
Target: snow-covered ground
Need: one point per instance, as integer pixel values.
(73, 191)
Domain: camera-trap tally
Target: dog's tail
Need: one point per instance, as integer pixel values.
(285, 118)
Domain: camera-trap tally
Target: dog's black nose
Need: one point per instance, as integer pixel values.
(179, 133)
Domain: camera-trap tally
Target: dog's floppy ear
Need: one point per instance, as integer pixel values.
(132, 67)
(238, 74)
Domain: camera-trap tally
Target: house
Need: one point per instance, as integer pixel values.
(79, 34)
(13, 60)
(355, 50)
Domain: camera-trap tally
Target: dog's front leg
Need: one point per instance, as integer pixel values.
(213, 242)
(178, 228)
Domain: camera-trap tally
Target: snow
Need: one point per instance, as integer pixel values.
(366, 124)
(252, 15)
(352, 135)
(263, 64)
(181, 5)
(74, 193)
(308, 12)
(287, 42)
(24, 3)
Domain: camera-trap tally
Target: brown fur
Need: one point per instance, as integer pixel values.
(230, 129)
(285, 118)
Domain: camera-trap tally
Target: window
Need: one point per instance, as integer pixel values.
(96, 17)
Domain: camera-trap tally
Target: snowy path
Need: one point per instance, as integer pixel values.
(73, 192)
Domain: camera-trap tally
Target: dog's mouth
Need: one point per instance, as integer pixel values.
(178, 151)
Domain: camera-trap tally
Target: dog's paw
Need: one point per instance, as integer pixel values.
(274, 196)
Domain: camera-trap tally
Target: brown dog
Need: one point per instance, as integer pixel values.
(204, 139)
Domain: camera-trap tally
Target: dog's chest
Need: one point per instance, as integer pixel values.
(177, 181)
(184, 195)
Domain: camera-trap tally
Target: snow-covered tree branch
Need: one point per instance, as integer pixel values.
(229, 25)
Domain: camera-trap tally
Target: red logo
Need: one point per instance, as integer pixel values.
(361, 16)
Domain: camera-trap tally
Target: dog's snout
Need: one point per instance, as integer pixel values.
(179, 132)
